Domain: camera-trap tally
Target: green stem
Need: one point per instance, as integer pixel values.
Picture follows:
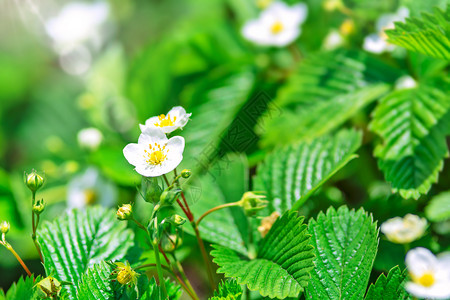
(183, 274)
(162, 283)
(34, 227)
(10, 248)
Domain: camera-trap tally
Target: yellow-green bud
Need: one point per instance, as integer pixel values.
(152, 190)
(331, 5)
(251, 202)
(124, 212)
(168, 197)
(39, 206)
(186, 173)
(125, 274)
(170, 242)
(34, 181)
(49, 287)
(177, 220)
(4, 227)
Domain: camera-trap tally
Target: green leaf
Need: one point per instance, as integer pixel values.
(282, 266)
(152, 291)
(290, 175)
(326, 91)
(345, 244)
(23, 289)
(390, 287)
(227, 290)
(226, 182)
(96, 283)
(429, 35)
(413, 124)
(79, 239)
(438, 209)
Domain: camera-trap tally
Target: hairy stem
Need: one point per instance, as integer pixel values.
(10, 248)
(214, 209)
(162, 283)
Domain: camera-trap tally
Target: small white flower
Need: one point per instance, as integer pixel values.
(405, 82)
(278, 25)
(377, 42)
(90, 188)
(90, 138)
(430, 274)
(154, 154)
(404, 230)
(333, 40)
(175, 118)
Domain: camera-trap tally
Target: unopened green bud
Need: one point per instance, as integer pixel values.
(124, 212)
(4, 227)
(39, 206)
(177, 220)
(169, 196)
(34, 181)
(252, 202)
(125, 275)
(186, 173)
(152, 190)
(170, 242)
(49, 287)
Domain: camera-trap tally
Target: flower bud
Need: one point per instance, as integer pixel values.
(34, 181)
(331, 5)
(152, 190)
(177, 220)
(4, 227)
(186, 173)
(39, 206)
(170, 242)
(124, 212)
(49, 287)
(168, 197)
(251, 202)
(125, 274)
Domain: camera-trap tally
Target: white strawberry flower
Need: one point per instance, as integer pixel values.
(175, 118)
(404, 230)
(154, 154)
(377, 42)
(278, 25)
(430, 275)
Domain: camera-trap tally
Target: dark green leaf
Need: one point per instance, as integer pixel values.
(390, 287)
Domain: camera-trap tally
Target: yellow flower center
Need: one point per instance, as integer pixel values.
(90, 196)
(277, 27)
(165, 121)
(427, 279)
(156, 155)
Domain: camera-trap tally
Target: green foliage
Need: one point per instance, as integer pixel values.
(390, 287)
(152, 290)
(326, 90)
(439, 207)
(429, 35)
(79, 239)
(290, 175)
(413, 124)
(227, 290)
(281, 268)
(96, 283)
(23, 289)
(345, 244)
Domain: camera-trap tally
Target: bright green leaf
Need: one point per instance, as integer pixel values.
(227, 290)
(282, 266)
(79, 239)
(439, 207)
(413, 124)
(390, 287)
(96, 283)
(345, 244)
(429, 35)
(23, 289)
(290, 175)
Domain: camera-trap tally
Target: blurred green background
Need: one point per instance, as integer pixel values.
(131, 60)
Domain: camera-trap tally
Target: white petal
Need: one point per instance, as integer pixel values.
(375, 44)
(133, 153)
(405, 82)
(150, 122)
(152, 135)
(297, 14)
(256, 32)
(420, 260)
(177, 111)
(436, 291)
(285, 37)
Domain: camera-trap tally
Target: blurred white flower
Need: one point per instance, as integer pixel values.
(89, 138)
(154, 154)
(404, 230)
(175, 118)
(430, 274)
(90, 188)
(333, 40)
(377, 42)
(278, 25)
(77, 31)
(405, 82)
